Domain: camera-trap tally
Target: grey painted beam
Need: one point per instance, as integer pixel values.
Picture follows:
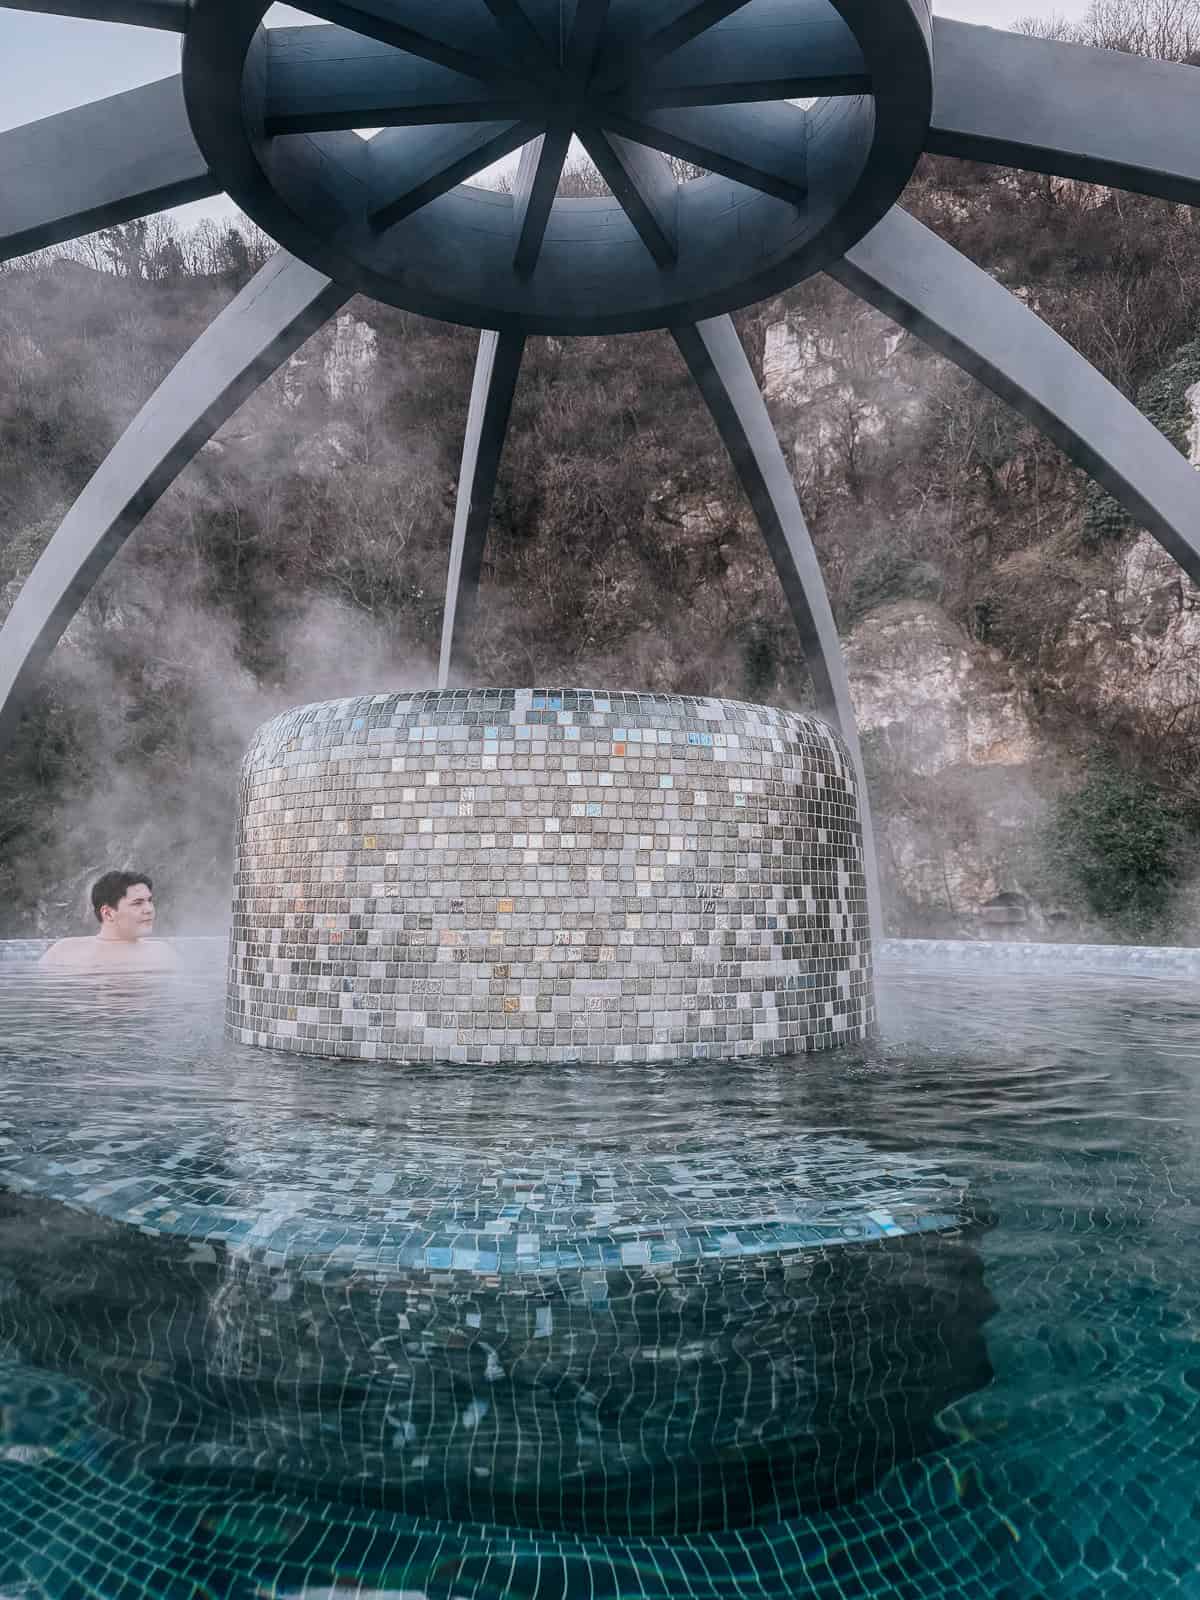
(171, 15)
(497, 366)
(646, 31)
(537, 50)
(1096, 115)
(268, 320)
(718, 363)
(797, 50)
(762, 146)
(96, 166)
(644, 184)
(669, 25)
(565, 32)
(536, 184)
(559, 35)
(453, 33)
(928, 287)
(407, 169)
(583, 25)
(788, 189)
(321, 79)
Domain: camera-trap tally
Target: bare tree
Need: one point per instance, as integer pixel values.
(1168, 30)
(581, 178)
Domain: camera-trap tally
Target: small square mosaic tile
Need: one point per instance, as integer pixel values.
(548, 875)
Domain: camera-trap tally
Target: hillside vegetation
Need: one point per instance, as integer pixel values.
(303, 554)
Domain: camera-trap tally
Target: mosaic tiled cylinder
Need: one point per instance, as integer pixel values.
(503, 875)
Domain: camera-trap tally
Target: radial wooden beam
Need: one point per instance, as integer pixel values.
(1095, 115)
(102, 164)
(497, 366)
(171, 15)
(406, 170)
(457, 34)
(268, 320)
(718, 363)
(555, 39)
(646, 31)
(644, 184)
(927, 286)
(803, 49)
(583, 25)
(536, 184)
(535, 48)
(321, 79)
(762, 146)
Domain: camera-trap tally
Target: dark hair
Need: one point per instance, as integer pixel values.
(112, 888)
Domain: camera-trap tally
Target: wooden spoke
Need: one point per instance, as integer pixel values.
(758, 145)
(97, 166)
(407, 170)
(319, 79)
(170, 15)
(533, 194)
(646, 32)
(453, 33)
(643, 182)
(801, 50)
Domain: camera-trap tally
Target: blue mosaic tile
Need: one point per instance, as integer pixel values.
(1007, 1394)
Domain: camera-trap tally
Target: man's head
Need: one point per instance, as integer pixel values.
(124, 905)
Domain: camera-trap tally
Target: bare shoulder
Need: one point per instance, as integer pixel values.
(71, 952)
(159, 953)
(82, 954)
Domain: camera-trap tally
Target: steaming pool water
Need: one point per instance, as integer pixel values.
(918, 1319)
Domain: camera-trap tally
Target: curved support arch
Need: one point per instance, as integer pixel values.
(169, 14)
(1096, 115)
(98, 165)
(496, 368)
(272, 316)
(719, 365)
(926, 286)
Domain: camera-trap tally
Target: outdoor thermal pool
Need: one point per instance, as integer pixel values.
(918, 1318)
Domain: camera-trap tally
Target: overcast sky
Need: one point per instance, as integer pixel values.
(49, 64)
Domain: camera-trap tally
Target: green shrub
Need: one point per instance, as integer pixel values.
(1118, 840)
(890, 576)
(759, 649)
(1164, 400)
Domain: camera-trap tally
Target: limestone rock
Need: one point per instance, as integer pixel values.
(350, 358)
(1136, 644)
(847, 383)
(795, 364)
(951, 738)
(937, 699)
(340, 359)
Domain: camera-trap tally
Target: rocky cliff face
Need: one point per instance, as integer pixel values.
(963, 765)
(995, 630)
(1136, 641)
(948, 727)
(964, 760)
(842, 386)
(934, 699)
(340, 358)
(953, 751)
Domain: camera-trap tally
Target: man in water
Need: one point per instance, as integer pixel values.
(124, 907)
